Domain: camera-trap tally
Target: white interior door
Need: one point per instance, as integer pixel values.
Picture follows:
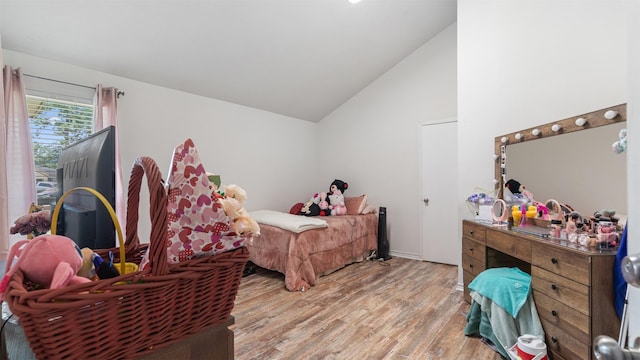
(438, 158)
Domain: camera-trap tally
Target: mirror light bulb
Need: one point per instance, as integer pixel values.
(495, 181)
(581, 121)
(556, 127)
(535, 132)
(504, 139)
(610, 114)
(519, 136)
(495, 156)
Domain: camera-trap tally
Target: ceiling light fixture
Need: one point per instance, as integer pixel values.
(354, 1)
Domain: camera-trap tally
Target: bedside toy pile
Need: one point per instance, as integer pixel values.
(324, 204)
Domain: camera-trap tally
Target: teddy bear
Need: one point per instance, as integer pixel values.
(338, 185)
(336, 197)
(233, 204)
(337, 206)
(311, 207)
(323, 204)
(51, 261)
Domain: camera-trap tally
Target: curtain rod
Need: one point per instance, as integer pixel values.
(118, 93)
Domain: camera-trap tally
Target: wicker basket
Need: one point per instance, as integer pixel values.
(155, 308)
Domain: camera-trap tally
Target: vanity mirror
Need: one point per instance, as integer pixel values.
(570, 160)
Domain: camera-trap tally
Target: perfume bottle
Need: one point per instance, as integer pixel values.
(523, 218)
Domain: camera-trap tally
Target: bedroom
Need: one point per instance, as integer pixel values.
(426, 86)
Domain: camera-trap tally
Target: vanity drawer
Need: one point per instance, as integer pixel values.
(474, 231)
(472, 265)
(562, 316)
(467, 278)
(473, 249)
(508, 244)
(558, 341)
(568, 264)
(561, 289)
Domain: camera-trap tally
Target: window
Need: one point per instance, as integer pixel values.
(59, 115)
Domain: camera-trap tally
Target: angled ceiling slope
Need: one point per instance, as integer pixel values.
(300, 58)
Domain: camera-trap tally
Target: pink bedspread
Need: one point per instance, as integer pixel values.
(303, 257)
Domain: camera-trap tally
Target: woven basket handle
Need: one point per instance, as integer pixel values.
(158, 211)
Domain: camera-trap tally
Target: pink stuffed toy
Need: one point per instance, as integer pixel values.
(324, 204)
(337, 203)
(51, 261)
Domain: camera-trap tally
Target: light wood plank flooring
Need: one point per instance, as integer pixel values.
(398, 309)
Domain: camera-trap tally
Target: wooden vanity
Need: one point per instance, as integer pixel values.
(572, 285)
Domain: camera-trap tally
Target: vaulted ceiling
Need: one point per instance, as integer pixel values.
(299, 58)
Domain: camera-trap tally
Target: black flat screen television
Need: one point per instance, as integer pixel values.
(88, 163)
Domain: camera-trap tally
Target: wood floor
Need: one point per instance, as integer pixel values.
(398, 309)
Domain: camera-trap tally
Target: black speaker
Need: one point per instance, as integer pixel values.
(383, 242)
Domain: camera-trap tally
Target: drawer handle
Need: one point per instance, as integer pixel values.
(554, 287)
(554, 339)
(471, 249)
(554, 260)
(471, 266)
(554, 313)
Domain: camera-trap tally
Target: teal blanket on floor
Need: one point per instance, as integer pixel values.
(507, 287)
(478, 324)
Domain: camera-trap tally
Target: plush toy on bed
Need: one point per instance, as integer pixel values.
(311, 207)
(323, 204)
(336, 197)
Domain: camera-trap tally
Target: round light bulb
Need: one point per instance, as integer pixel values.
(556, 127)
(495, 156)
(535, 132)
(581, 121)
(610, 114)
(504, 139)
(495, 181)
(519, 136)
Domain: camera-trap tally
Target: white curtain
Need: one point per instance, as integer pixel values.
(17, 169)
(105, 114)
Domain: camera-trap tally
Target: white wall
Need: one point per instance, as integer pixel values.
(522, 63)
(269, 155)
(372, 141)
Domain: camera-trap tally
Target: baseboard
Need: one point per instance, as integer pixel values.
(405, 255)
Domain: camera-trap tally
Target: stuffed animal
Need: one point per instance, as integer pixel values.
(337, 205)
(51, 261)
(323, 204)
(310, 208)
(336, 197)
(339, 185)
(233, 204)
(87, 270)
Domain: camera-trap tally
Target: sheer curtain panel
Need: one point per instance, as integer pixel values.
(17, 171)
(105, 113)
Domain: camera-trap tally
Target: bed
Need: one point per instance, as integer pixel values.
(321, 246)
